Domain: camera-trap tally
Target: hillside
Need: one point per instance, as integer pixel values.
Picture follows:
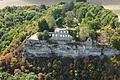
(18, 22)
(108, 4)
(84, 21)
(113, 5)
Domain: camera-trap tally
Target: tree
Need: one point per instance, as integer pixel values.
(57, 13)
(96, 24)
(80, 13)
(92, 33)
(115, 40)
(45, 35)
(105, 35)
(1, 25)
(74, 33)
(22, 36)
(40, 35)
(43, 7)
(83, 34)
(8, 9)
(68, 6)
(60, 21)
(81, 0)
(30, 16)
(31, 76)
(14, 23)
(57, 66)
(9, 24)
(4, 75)
(1, 34)
(43, 25)
(68, 21)
(118, 30)
(51, 22)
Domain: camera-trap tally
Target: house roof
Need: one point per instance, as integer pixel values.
(59, 29)
(34, 37)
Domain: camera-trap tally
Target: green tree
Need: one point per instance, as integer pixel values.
(4, 75)
(68, 21)
(22, 36)
(80, 13)
(60, 22)
(1, 25)
(40, 35)
(45, 35)
(9, 24)
(43, 25)
(92, 33)
(51, 22)
(8, 9)
(115, 40)
(81, 0)
(118, 30)
(68, 6)
(105, 35)
(57, 13)
(83, 34)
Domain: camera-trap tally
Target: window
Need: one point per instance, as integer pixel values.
(60, 35)
(64, 31)
(63, 35)
(56, 35)
(53, 35)
(68, 35)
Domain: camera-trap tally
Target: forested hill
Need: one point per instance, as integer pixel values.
(18, 22)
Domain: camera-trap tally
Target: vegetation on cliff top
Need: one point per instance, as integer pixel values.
(18, 22)
(85, 20)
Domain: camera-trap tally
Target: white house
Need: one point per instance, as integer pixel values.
(61, 34)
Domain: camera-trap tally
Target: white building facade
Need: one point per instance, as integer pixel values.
(61, 34)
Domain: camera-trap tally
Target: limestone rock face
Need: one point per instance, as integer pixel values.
(36, 48)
